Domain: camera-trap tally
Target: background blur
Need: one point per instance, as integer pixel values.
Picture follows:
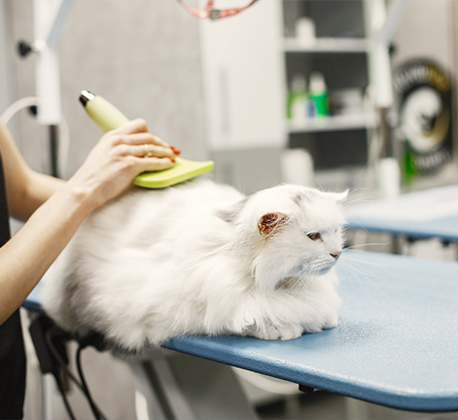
(220, 89)
(243, 91)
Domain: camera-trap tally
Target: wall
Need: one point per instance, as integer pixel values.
(4, 91)
(426, 30)
(143, 55)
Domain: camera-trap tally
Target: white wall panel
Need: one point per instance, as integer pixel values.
(243, 78)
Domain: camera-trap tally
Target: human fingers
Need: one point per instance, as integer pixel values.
(144, 150)
(137, 125)
(128, 134)
(153, 163)
(141, 138)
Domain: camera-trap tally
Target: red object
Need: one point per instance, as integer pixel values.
(175, 150)
(210, 13)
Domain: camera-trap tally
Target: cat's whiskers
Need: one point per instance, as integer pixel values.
(355, 201)
(299, 288)
(371, 275)
(303, 287)
(360, 283)
(303, 282)
(311, 274)
(297, 277)
(282, 287)
(376, 264)
(354, 229)
(368, 244)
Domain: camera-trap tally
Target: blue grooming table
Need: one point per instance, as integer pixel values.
(396, 343)
(424, 214)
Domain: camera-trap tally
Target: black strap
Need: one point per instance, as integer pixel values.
(12, 355)
(4, 216)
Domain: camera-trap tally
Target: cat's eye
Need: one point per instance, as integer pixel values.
(314, 236)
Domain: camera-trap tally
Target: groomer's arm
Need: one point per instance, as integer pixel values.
(55, 209)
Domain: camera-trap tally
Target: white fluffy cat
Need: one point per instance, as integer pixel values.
(201, 258)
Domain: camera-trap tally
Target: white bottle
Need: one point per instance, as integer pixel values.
(305, 32)
(298, 99)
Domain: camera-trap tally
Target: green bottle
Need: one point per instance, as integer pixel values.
(409, 170)
(297, 99)
(318, 101)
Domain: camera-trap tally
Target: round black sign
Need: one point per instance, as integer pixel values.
(425, 115)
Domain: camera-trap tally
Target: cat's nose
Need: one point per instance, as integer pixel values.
(335, 254)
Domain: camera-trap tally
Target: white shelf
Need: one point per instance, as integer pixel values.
(327, 45)
(333, 123)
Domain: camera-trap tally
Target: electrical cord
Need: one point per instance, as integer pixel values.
(15, 107)
(59, 359)
(64, 130)
(81, 384)
(64, 398)
(95, 410)
(63, 365)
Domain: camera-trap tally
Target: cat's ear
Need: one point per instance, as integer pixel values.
(339, 197)
(270, 222)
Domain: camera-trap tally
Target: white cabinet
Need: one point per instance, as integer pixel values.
(243, 79)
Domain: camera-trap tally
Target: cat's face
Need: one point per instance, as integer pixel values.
(299, 231)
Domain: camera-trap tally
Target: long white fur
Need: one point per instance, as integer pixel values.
(190, 259)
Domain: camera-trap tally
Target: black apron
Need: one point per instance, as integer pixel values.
(12, 355)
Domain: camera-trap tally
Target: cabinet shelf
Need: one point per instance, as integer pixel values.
(333, 123)
(327, 45)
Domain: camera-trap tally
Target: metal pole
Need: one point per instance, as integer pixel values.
(54, 149)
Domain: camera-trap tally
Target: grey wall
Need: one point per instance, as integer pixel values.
(4, 90)
(143, 55)
(426, 30)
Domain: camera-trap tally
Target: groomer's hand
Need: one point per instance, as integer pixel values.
(117, 159)
(56, 209)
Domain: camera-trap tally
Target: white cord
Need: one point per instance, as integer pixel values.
(64, 131)
(15, 107)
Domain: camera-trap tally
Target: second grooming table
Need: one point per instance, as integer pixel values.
(423, 214)
(396, 343)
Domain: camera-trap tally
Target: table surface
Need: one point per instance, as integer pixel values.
(430, 213)
(396, 343)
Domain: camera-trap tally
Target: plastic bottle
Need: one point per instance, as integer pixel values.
(297, 99)
(318, 96)
(409, 168)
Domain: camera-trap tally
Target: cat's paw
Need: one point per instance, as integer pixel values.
(278, 332)
(290, 332)
(331, 322)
